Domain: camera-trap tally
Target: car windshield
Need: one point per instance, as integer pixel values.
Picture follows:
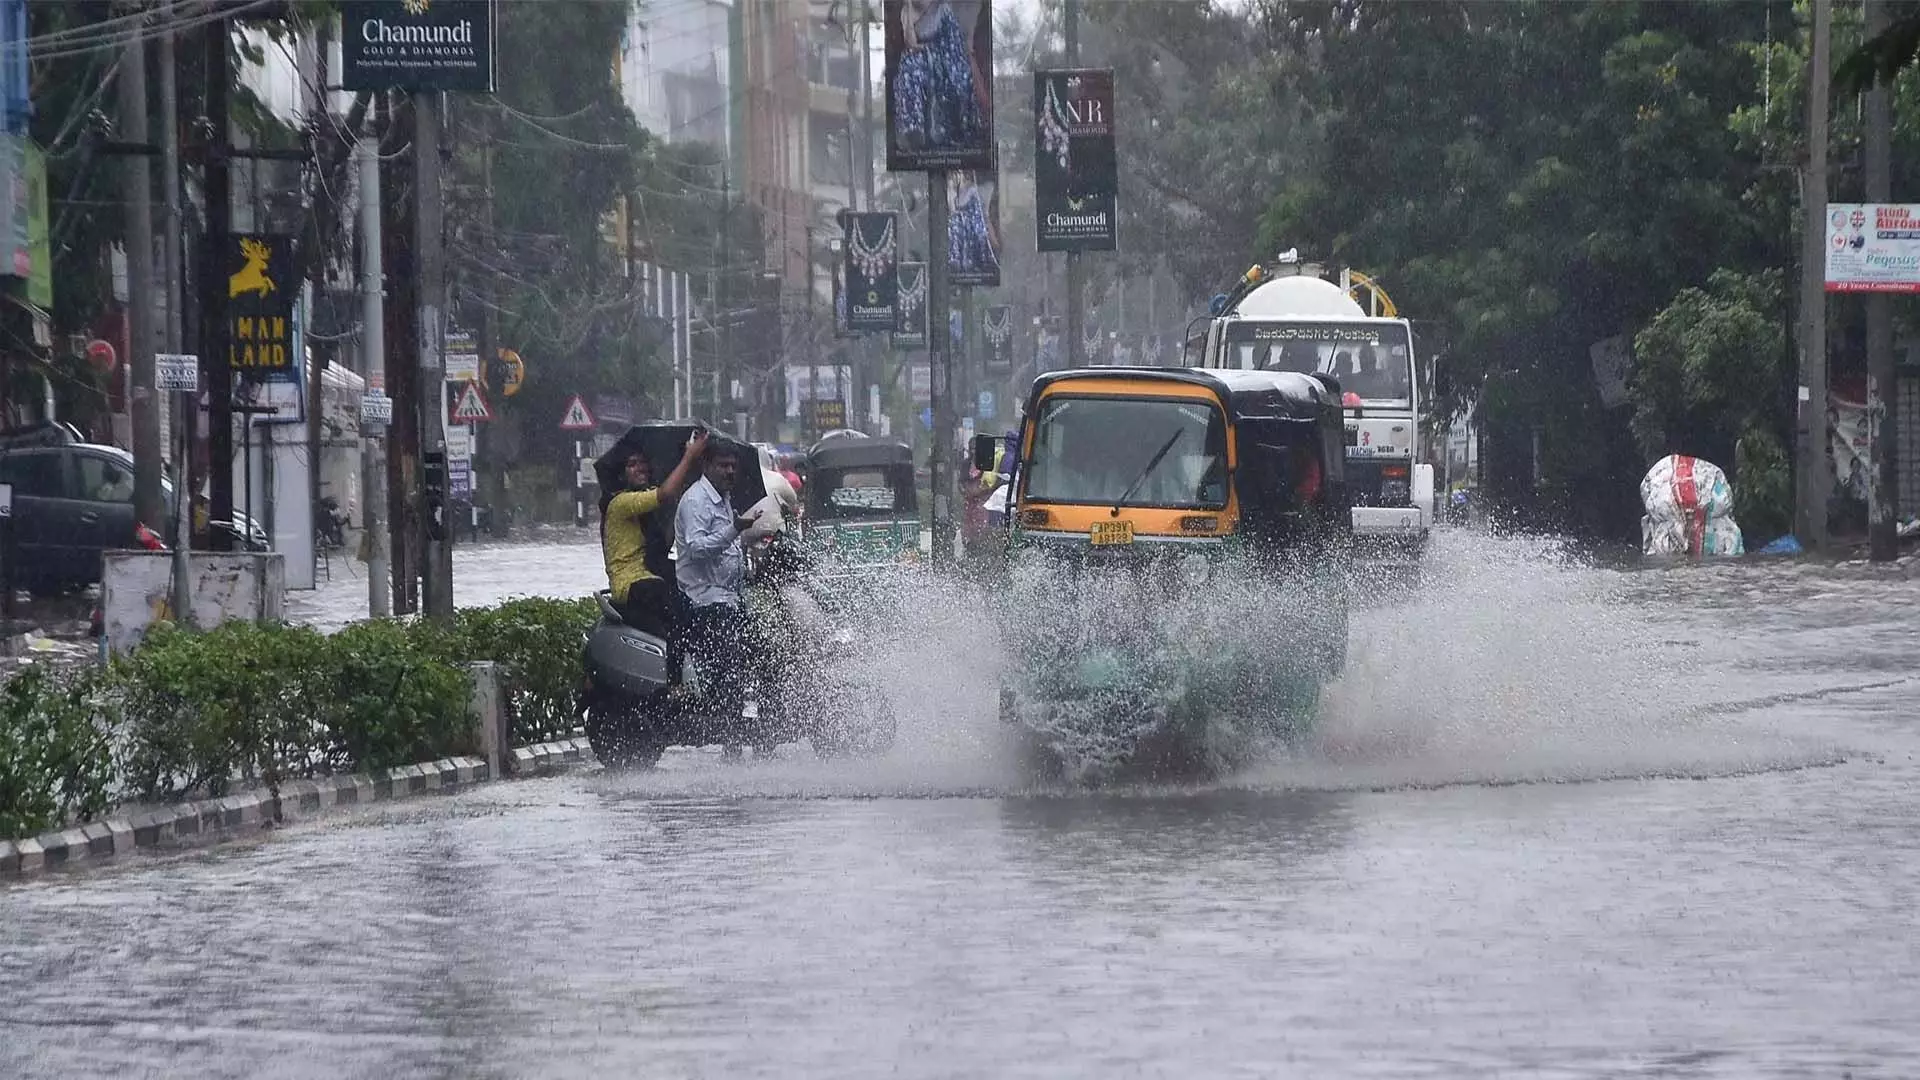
(1158, 453)
(1373, 361)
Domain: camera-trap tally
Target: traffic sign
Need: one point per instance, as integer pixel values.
(577, 418)
(176, 371)
(469, 406)
(6, 500)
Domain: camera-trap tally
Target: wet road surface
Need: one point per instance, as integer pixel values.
(1558, 822)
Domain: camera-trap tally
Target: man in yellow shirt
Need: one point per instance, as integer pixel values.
(636, 538)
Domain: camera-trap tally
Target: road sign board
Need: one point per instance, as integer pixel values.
(176, 371)
(577, 418)
(6, 500)
(376, 407)
(469, 406)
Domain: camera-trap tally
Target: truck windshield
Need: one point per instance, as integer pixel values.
(1373, 361)
(1094, 449)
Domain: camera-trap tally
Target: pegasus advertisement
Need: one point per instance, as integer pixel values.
(1076, 176)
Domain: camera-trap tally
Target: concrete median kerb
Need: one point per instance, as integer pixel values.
(213, 820)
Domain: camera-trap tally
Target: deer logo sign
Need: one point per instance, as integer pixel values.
(252, 277)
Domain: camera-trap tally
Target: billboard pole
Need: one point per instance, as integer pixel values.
(1883, 538)
(1076, 300)
(939, 362)
(437, 569)
(1814, 450)
(218, 195)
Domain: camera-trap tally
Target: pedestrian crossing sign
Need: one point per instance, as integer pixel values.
(469, 406)
(577, 417)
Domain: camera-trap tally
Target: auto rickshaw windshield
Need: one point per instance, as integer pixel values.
(1146, 452)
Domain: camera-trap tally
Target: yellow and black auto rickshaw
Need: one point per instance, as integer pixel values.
(1178, 542)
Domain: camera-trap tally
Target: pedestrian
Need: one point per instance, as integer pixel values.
(712, 574)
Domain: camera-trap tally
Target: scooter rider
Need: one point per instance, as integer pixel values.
(634, 538)
(712, 573)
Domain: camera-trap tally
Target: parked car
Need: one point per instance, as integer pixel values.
(72, 502)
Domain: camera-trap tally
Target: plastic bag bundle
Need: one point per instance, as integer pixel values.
(1688, 509)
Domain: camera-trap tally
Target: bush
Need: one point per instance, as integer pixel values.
(395, 697)
(195, 714)
(56, 760)
(537, 644)
(241, 701)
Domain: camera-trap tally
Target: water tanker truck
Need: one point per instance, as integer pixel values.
(1289, 317)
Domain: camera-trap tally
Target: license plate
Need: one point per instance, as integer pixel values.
(1105, 533)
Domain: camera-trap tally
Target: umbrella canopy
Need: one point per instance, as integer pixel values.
(662, 442)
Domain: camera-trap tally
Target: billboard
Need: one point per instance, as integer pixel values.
(1075, 173)
(996, 328)
(910, 332)
(939, 82)
(417, 45)
(871, 249)
(1873, 247)
(261, 289)
(973, 228)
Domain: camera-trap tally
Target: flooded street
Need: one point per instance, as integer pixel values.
(1556, 821)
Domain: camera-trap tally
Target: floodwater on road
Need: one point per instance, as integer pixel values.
(1556, 821)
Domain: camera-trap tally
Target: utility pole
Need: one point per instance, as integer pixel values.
(722, 306)
(939, 361)
(1883, 538)
(144, 400)
(216, 375)
(395, 125)
(1076, 291)
(373, 354)
(176, 327)
(436, 571)
(1814, 451)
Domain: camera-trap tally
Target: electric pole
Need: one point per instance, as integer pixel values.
(143, 400)
(1076, 298)
(940, 368)
(1883, 539)
(436, 571)
(216, 375)
(1814, 451)
(373, 358)
(176, 327)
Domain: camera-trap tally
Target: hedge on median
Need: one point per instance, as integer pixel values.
(197, 714)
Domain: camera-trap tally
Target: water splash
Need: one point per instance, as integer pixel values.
(1516, 660)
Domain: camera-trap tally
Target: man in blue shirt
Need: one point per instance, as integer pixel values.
(711, 573)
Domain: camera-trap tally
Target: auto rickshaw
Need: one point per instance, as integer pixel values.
(1178, 543)
(862, 510)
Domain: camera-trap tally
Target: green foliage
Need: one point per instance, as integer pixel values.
(537, 644)
(1710, 378)
(192, 715)
(238, 703)
(394, 698)
(55, 759)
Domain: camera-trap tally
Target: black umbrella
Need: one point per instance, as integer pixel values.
(662, 442)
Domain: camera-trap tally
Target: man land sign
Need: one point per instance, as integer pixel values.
(261, 285)
(417, 45)
(1873, 247)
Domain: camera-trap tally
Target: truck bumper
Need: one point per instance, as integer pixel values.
(1389, 532)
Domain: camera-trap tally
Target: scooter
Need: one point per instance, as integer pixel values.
(634, 708)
